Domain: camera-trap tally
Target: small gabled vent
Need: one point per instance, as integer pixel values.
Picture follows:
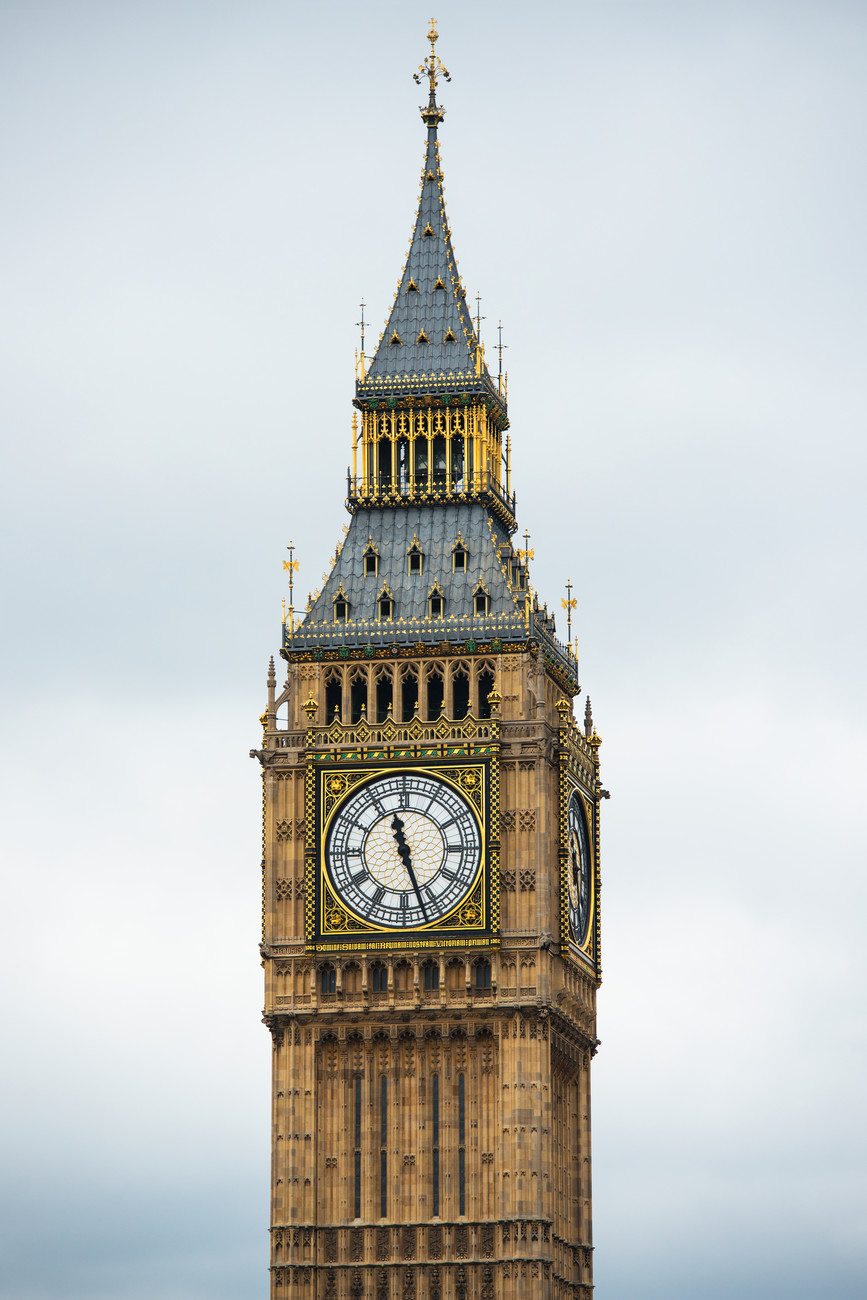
(422, 338)
(450, 338)
(395, 339)
(430, 177)
(439, 284)
(428, 231)
(412, 287)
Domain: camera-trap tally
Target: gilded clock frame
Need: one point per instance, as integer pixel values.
(474, 921)
(589, 949)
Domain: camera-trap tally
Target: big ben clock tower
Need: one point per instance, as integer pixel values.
(430, 854)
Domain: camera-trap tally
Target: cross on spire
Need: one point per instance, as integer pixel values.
(434, 69)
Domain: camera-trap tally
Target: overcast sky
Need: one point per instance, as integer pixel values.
(665, 204)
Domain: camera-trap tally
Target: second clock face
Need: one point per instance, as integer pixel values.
(579, 871)
(403, 850)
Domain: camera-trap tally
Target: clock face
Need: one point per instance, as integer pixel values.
(578, 869)
(403, 850)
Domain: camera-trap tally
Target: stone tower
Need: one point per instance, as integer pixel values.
(430, 854)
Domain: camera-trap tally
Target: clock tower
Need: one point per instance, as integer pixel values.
(430, 853)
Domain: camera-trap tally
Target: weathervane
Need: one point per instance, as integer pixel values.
(500, 346)
(479, 316)
(432, 68)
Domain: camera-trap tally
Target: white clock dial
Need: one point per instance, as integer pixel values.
(403, 850)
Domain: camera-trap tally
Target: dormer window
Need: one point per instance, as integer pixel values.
(341, 606)
(437, 605)
(480, 601)
(385, 605)
(371, 559)
(459, 557)
(415, 558)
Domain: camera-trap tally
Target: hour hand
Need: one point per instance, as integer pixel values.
(406, 858)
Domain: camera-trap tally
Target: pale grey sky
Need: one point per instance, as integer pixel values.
(665, 204)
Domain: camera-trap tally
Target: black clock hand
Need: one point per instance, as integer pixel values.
(404, 855)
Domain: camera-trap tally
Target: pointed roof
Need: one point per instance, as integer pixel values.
(429, 343)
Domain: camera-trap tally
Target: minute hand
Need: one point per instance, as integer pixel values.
(406, 859)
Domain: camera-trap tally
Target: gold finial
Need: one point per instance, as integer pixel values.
(526, 554)
(290, 566)
(569, 604)
(433, 68)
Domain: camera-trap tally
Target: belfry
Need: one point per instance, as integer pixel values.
(431, 874)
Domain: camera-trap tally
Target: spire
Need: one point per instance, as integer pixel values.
(430, 344)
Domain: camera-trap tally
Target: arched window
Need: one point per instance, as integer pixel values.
(358, 695)
(333, 695)
(430, 976)
(483, 975)
(485, 684)
(460, 692)
(378, 978)
(408, 695)
(435, 694)
(384, 695)
(328, 980)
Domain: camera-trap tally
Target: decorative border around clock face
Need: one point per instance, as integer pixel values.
(474, 918)
(586, 944)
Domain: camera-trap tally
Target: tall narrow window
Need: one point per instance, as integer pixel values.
(371, 563)
(483, 975)
(462, 1145)
(459, 559)
(386, 608)
(457, 463)
(383, 697)
(460, 693)
(439, 461)
(421, 463)
(415, 557)
(435, 1146)
(409, 697)
(434, 696)
(431, 976)
(384, 450)
(358, 1148)
(486, 685)
(333, 697)
(358, 697)
(383, 1147)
